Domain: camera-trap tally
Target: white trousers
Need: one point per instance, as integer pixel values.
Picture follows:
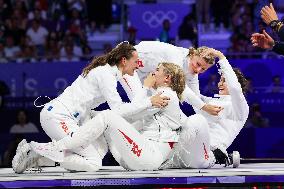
(57, 124)
(193, 148)
(130, 148)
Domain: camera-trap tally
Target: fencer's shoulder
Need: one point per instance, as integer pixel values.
(106, 68)
(156, 45)
(101, 71)
(166, 91)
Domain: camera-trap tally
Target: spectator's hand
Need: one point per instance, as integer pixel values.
(212, 109)
(150, 81)
(268, 14)
(159, 101)
(263, 41)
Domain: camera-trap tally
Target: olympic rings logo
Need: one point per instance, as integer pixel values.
(155, 19)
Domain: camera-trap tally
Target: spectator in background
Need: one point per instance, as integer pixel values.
(2, 33)
(221, 13)
(23, 125)
(87, 53)
(13, 29)
(69, 41)
(38, 35)
(52, 52)
(2, 54)
(76, 26)
(242, 26)
(4, 90)
(99, 13)
(11, 50)
(27, 54)
(256, 119)
(38, 13)
(203, 14)
(78, 5)
(164, 35)
(265, 41)
(56, 13)
(19, 16)
(5, 10)
(276, 85)
(69, 54)
(132, 35)
(187, 32)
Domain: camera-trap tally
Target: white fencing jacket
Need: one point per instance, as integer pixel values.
(224, 128)
(99, 86)
(154, 52)
(161, 124)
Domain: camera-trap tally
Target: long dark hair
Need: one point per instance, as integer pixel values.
(112, 58)
(241, 79)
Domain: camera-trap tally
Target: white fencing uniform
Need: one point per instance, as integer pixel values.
(223, 128)
(70, 110)
(151, 53)
(144, 150)
(195, 128)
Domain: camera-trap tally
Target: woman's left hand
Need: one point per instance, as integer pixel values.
(150, 81)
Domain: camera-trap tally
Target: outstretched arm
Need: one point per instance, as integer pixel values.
(266, 42)
(239, 102)
(263, 41)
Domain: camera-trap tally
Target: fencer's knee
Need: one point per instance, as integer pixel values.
(196, 122)
(198, 118)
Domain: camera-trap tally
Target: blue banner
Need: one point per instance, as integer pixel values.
(148, 18)
(45, 78)
(34, 79)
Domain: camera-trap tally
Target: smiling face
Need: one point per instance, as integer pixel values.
(130, 65)
(223, 88)
(161, 78)
(198, 65)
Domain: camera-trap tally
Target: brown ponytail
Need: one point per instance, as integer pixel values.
(112, 58)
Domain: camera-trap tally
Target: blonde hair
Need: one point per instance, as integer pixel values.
(209, 59)
(177, 77)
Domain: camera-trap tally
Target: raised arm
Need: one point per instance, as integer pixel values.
(239, 102)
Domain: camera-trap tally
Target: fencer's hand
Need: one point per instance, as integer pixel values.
(213, 52)
(212, 109)
(150, 81)
(268, 14)
(159, 101)
(263, 41)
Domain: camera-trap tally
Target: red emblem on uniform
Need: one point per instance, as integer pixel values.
(140, 63)
(135, 148)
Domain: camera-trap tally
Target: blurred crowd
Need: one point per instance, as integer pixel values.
(57, 30)
(50, 30)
